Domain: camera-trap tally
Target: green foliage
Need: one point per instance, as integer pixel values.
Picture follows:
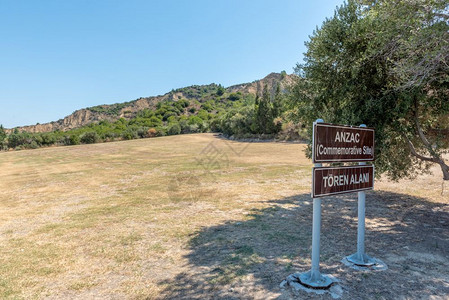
(209, 108)
(283, 74)
(382, 63)
(183, 103)
(130, 134)
(17, 139)
(90, 137)
(238, 122)
(234, 96)
(2, 134)
(72, 139)
(266, 112)
(221, 90)
(111, 110)
(174, 129)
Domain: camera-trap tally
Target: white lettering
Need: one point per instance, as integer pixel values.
(366, 177)
(347, 137)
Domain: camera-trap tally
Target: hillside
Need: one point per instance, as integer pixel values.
(128, 110)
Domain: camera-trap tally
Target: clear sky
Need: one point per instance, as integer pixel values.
(60, 56)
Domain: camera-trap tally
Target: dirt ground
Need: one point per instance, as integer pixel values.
(200, 217)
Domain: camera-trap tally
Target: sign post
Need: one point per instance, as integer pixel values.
(338, 143)
(314, 278)
(360, 258)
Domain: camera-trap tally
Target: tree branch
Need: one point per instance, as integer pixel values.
(421, 133)
(416, 154)
(425, 140)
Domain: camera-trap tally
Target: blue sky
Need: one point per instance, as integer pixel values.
(59, 56)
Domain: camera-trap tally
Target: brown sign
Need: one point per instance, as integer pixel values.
(338, 180)
(337, 143)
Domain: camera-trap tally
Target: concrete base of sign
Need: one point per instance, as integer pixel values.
(377, 264)
(293, 281)
(363, 260)
(322, 282)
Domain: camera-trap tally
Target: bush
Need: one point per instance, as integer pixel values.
(194, 128)
(130, 134)
(70, 140)
(234, 97)
(220, 90)
(152, 132)
(48, 139)
(18, 139)
(174, 129)
(142, 132)
(109, 136)
(90, 137)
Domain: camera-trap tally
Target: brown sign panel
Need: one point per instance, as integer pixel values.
(328, 181)
(338, 143)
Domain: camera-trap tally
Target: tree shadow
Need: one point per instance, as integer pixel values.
(249, 259)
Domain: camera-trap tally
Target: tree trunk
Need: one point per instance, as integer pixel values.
(435, 158)
(445, 169)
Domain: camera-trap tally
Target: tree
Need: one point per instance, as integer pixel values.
(264, 115)
(17, 139)
(174, 129)
(277, 110)
(2, 133)
(221, 90)
(90, 137)
(385, 64)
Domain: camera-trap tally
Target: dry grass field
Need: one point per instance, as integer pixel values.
(200, 217)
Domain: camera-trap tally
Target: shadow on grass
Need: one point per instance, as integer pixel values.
(249, 259)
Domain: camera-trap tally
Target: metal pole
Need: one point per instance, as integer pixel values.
(361, 225)
(314, 278)
(361, 221)
(360, 258)
(316, 228)
(316, 225)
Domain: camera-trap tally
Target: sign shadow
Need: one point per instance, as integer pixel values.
(250, 258)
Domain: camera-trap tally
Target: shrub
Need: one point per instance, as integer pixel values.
(48, 139)
(220, 90)
(130, 134)
(234, 97)
(142, 132)
(194, 128)
(174, 129)
(18, 139)
(90, 137)
(152, 132)
(69, 140)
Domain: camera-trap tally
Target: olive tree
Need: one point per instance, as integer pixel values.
(385, 64)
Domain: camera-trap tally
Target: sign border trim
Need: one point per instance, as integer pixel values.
(345, 192)
(314, 160)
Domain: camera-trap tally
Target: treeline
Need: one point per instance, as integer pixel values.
(263, 117)
(233, 114)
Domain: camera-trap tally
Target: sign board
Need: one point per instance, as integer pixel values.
(338, 143)
(338, 180)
